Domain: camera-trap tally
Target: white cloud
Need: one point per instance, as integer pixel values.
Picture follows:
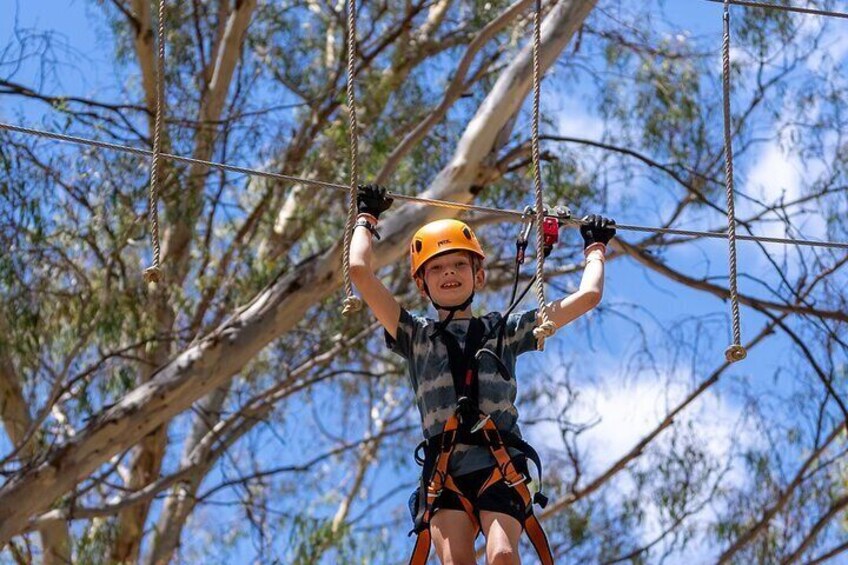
(775, 176)
(574, 118)
(628, 411)
(832, 48)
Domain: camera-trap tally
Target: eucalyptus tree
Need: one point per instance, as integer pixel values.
(141, 416)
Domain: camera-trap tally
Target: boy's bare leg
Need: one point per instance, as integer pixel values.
(502, 533)
(453, 534)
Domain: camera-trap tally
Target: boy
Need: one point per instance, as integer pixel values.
(476, 491)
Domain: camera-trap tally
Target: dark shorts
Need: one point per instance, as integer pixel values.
(497, 498)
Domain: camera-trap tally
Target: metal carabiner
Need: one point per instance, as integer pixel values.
(527, 219)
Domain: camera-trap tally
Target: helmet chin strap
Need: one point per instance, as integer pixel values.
(451, 310)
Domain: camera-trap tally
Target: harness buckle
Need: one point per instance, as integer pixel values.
(480, 423)
(518, 482)
(464, 408)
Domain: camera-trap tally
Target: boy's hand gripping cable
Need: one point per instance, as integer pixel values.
(551, 226)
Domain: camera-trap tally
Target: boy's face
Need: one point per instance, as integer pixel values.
(451, 278)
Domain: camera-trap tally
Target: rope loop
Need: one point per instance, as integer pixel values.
(351, 305)
(542, 332)
(152, 275)
(735, 353)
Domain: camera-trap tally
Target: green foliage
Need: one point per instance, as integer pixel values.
(95, 544)
(74, 232)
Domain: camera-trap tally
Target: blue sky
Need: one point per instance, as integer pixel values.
(628, 402)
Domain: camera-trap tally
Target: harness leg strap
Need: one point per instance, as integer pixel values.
(538, 539)
(422, 548)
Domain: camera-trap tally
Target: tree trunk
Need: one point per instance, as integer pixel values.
(211, 362)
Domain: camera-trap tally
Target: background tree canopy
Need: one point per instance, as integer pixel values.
(232, 415)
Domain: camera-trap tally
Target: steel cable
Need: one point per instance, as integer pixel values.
(517, 215)
(796, 9)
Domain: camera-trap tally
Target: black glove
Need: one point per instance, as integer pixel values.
(597, 229)
(372, 199)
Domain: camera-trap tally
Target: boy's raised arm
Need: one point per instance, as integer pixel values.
(372, 201)
(596, 232)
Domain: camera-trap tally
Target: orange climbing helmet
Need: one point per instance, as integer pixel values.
(440, 237)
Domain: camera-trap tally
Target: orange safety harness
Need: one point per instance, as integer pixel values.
(469, 425)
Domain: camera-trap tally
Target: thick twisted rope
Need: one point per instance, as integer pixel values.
(517, 215)
(736, 351)
(153, 274)
(546, 328)
(351, 303)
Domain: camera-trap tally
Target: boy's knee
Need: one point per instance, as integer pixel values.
(454, 557)
(456, 560)
(502, 555)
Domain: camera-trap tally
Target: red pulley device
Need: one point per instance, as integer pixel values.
(550, 231)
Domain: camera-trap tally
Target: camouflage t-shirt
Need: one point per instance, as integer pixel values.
(430, 374)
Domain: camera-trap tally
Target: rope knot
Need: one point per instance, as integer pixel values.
(352, 304)
(542, 332)
(735, 353)
(152, 275)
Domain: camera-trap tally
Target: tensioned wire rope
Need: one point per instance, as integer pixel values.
(516, 214)
(786, 8)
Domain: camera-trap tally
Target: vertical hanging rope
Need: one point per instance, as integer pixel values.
(546, 328)
(736, 351)
(153, 274)
(351, 303)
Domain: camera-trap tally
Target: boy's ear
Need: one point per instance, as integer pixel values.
(419, 282)
(479, 277)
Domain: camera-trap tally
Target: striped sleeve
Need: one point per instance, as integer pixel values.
(405, 336)
(519, 332)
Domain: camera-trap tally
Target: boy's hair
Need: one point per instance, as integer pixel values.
(476, 261)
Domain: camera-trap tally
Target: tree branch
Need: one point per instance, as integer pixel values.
(781, 501)
(657, 266)
(212, 361)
